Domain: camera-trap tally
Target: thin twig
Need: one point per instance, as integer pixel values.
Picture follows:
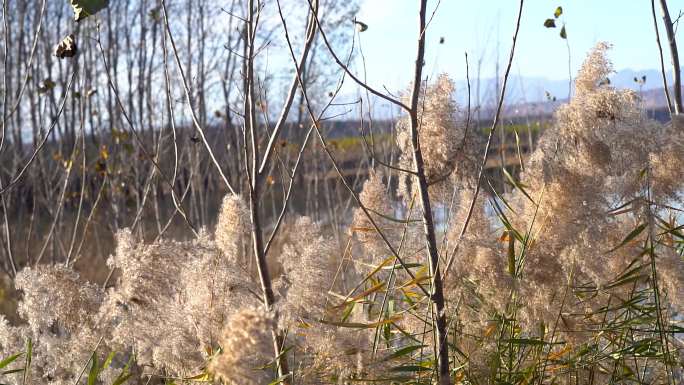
(351, 75)
(337, 169)
(193, 115)
(497, 117)
(140, 141)
(35, 153)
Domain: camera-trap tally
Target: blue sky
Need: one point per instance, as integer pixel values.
(477, 26)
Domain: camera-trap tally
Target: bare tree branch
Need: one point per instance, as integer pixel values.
(676, 70)
(195, 121)
(497, 117)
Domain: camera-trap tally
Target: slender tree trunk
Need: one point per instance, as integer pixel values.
(254, 177)
(437, 292)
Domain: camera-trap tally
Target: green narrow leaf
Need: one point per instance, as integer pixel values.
(9, 360)
(124, 375)
(392, 219)
(270, 364)
(643, 172)
(387, 332)
(403, 352)
(12, 371)
(29, 356)
(517, 147)
(122, 379)
(280, 379)
(518, 185)
(563, 33)
(507, 224)
(348, 311)
(108, 361)
(410, 368)
(92, 374)
(529, 341)
(631, 274)
(630, 236)
(500, 198)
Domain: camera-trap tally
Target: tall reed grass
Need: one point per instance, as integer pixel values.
(573, 276)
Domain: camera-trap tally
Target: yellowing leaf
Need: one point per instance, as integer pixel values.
(364, 294)
(556, 368)
(85, 8)
(558, 12)
(363, 229)
(360, 325)
(420, 276)
(104, 154)
(409, 293)
(202, 377)
(490, 329)
(560, 353)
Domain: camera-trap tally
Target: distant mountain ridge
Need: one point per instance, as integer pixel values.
(529, 96)
(525, 89)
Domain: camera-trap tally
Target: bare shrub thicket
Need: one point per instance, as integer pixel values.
(572, 275)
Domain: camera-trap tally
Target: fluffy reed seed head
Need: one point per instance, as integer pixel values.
(449, 151)
(55, 296)
(309, 270)
(232, 229)
(378, 201)
(246, 345)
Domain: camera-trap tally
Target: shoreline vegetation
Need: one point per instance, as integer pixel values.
(261, 246)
